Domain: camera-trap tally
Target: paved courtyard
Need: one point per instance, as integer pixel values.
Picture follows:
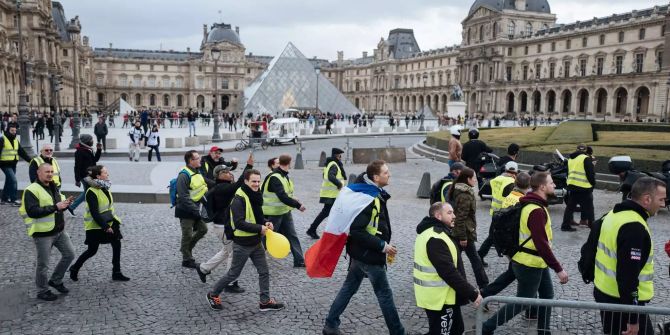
(163, 297)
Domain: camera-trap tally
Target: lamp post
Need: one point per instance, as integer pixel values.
(73, 30)
(317, 70)
(56, 85)
(216, 54)
(423, 108)
(667, 107)
(24, 120)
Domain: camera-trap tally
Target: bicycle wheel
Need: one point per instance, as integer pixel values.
(264, 144)
(240, 146)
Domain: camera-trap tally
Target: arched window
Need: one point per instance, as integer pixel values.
(529, 28)
(138, 100)
(494, 31)
(511, 28)
(481, 33)
(469, 35)
(166, 100)
(152, 100)
(180, 100)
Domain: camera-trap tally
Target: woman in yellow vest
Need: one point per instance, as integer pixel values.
(333, 180)
(101, 224)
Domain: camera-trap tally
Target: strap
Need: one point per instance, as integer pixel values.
(521, 248)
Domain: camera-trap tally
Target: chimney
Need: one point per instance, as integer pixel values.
(340, 56)
(365, 54)
(204, 32)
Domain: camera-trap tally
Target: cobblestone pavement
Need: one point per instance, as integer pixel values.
(163, 297)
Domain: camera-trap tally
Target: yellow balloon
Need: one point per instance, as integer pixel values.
(277, 244)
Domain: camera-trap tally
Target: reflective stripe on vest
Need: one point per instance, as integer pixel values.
(606, 256)
(248, 215)
(104, 205)
(54, 164)
(524, 233)
(373, 225)
(328, 189)
(271, 203)
(198, 186)
(430, 291)
(43, 224)
(577, 173)
(444, 187)
(498, 185)
(10, 150)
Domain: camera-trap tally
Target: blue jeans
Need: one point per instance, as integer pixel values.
(284, 225)
(9, 192)
(531, 281)
(80, 198)
(377, 275)
(191, 125)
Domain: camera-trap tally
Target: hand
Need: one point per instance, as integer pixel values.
(77, 183)
(98, 146)
(478, 301)
(631, 329)
(264, 230)
(62, 205)
(463, 243)
(109, 230)
(70, 199)
(562, 277)
(250, 160)
(390, 249)
(270, 225)
(302, 208)
(234, 160)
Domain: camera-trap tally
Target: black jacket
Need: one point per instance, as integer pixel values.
(222, 194)
(83, 159)
(208, 173)
(33, 209)
(100, 129)
(441, 258)
(332, 177)
(471, 151)
(185, 207)
(590, 173)
(238, 209)
(363, 246)
(22, 153)
(277, 187)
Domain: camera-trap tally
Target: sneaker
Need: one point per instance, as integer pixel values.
(74, 274)
(214, 302)
(189, 264)
(312, 234)
(271, 305)
(15, 203)
(60, 287)
(118, 276)
(202, 275)
(3, 202)
(568, 228)
(529, 316)
(47, 296)
(233, 288)
(330, 331)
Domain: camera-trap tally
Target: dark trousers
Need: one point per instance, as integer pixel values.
(449, 320)
(284, 225)
(585, 201)
(158, 154)
(485, 247)
(504, 280)
(103, 140)
(476, 262)
(319, 218)
(191, 232)
(93, 249)
(616, 322)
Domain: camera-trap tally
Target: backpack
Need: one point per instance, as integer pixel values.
(172, 186)
(505, 229)
(436, 190)
(587, 258)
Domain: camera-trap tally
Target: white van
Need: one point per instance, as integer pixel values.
(284, 130)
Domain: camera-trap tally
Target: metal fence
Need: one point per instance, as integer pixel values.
(570, 317)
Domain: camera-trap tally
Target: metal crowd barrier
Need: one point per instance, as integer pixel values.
(568, 316)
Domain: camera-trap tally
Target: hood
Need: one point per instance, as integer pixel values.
(575, 154)
(463, 187)
(427, 222)
(627, 205)
(533, 198)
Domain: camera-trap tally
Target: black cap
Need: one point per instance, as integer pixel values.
(457, 166)
(336, 151)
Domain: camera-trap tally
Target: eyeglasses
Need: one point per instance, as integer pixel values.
(48, 150)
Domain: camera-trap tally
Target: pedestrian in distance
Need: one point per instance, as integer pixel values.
(333, 180)
(101, 224)
(154, 142)
(278, 202)
(440, 285)
(191, 188)
(624, 264)
(581, 179)
(442, 187)
(455, 146)
(462, 198)
(191, 116)
(42, 209)
(472, 149)
(45, 156)
(83, 159)
(248, 226)
(10, 151)
(100, 130)
(136, 135)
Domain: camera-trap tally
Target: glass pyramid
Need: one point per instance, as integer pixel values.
(290, 82)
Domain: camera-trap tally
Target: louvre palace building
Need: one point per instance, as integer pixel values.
(515, 59)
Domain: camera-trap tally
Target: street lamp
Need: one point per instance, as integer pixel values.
(56, 86)
(667, 108)
(216, 54)
(423, 108)
(73, 30)
(317, 70)
(24, 120)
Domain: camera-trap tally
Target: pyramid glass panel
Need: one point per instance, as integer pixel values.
(290, 82)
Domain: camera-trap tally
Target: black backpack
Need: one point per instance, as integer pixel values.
(587, 258)
(505, 229)
(436, 190)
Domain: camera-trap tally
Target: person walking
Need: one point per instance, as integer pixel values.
(455, 146)
(191, 188)
(248, 226)
(278, 201)
(100, 222)
(624, 268)
(45, 156)
(581, 179)
(42, 209)
(369, 246)
(535, 256)
(154, 142)
(191, 116)
(439, 275)
(10, 151)
(211, 161)
(83, 159)
(462, 197)
(136, 135)
(100, 130)
(333, 180)
(446, 182)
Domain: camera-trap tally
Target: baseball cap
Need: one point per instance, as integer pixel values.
(215, 148)
(581, 147)
(457, 166)
(512, 167)
(221, 168)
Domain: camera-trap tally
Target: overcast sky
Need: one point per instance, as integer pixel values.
(316, 27)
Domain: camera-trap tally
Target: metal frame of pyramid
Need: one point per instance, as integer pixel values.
(289, 82)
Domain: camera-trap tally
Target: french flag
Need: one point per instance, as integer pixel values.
(321, 258)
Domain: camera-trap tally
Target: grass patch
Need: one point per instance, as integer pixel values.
(632, 137)
(600, 151)
(502, 137)
(572, 132)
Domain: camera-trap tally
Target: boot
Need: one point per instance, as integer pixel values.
(118, 276)
(74, 273)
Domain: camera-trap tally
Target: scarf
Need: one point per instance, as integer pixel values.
(256, 200)
(103, 184)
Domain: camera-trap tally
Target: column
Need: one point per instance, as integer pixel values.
(591, 108)
(573, 104)
(610, 103)
(630, 104)
(651, 109)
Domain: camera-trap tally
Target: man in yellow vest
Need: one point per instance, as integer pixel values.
(46, 156)
(191, 188)
(624, 269)
(440, 286)
(581, 179)
(10, 151)
(42, 211)
(333, 180)
(278, 202)
(501, 187)
(535, 256)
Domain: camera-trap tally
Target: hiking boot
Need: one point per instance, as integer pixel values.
(74, 274)
(118, 276)
(214, 302)
(312, 234)
(190, 263)
(233, 288)
(60, 287)
(567, 228)
(47, 296)
(202, 275)
(271, 305)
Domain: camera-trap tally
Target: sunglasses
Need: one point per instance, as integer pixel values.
(48, 150)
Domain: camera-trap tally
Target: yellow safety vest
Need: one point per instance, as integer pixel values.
(525, 258)
(577, 173)
(104, 205)
(45, 223)
(198, 186)
(39, 161)
(10, 150)
(498, 185)
(271, 203)
(606, 257)
(430, 290)
(248, 215)
(512, 199)
(328, 189)
(444, 187)
(373, 226)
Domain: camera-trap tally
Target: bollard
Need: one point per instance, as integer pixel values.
(352, 179)
(299, 165)
(322, 159)
(424, 187)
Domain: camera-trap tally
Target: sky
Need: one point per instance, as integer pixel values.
(318, 28)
